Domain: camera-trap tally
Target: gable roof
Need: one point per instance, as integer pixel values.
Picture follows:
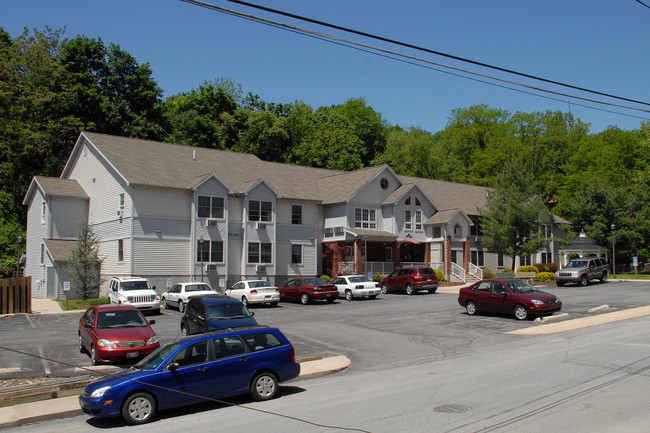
(339, 187)
(60, 249)
(450, 195)
(445, 216)
(55, 187)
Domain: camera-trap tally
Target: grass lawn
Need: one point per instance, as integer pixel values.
(81, 304)
(630, 276)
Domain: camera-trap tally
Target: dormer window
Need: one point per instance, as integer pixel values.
(408, 201)
(458, 231)
(417, 202)
(383, 183)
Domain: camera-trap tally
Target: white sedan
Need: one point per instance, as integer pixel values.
(180, 293)
(356, 286)
(254, 292)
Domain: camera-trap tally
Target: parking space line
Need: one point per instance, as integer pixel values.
(48, 372)
(30, 321)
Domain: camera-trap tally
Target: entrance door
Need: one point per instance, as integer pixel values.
(51, 283)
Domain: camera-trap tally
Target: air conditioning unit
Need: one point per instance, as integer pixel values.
(210, 267)
(260, 267)
(260, 226)
(211, 222)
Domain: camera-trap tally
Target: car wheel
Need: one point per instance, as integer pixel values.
(348, 295)
(603, 278)
(410, 289)
(470, 306)
(372, 296)
(559, 284)
(165, 304)
(181, 306)
(93, 356)
(264, 386)
(244, 301)
(274, 304)
(139, 408)
(304, 298)
(583, 281)
(82, 349)
(520, 312)
(384, 288)
(184, 331)
(432, 290)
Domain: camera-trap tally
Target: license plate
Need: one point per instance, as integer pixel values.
(329, 295)
(267, 297)
(132, 354)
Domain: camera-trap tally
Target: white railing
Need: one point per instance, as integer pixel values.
(458, 272)
(476, 271)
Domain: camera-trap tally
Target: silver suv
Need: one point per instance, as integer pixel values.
(582, 270)
(134, 291)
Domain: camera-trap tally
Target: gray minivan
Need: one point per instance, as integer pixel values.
(583, 270)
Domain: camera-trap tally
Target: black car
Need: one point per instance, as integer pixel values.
(214, 312)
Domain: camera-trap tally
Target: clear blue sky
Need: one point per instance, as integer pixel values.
(600, 45)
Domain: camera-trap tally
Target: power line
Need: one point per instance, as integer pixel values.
(410, 59)
(640, 2)
(416, 47)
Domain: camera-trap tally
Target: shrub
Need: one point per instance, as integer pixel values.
(509, 271)
(541, 267)
(552, 267)
(325, 278)
(545, 277)
(377, 277)
(487, 273)
(440, 275)
(527, 269)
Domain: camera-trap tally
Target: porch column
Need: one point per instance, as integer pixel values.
(447, 258)
(466, 254)
(427, 254)
(397, 258)
(358, 261)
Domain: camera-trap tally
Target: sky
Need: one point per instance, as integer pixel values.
(600, 45)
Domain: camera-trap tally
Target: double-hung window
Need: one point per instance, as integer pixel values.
(260, 210)
(296, 214)
(210, 207)
(120, 250)
(259, 252)
(418, 220)
(209, 251)
(365, 218)
(408, 219)
(296, 254)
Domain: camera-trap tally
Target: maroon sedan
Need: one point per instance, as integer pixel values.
(307, 289)
(116, 333)
(515, 297)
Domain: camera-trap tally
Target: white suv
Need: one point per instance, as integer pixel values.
(134, 291)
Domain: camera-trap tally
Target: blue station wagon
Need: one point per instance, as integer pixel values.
(195, 369)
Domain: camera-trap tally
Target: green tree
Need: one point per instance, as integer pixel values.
(513, 216)
(84, 265)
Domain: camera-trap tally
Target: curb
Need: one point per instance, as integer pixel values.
(64, 407)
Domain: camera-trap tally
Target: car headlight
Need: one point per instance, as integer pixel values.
(100, 392)
(537, 302)
(152, 340)
(106, 343)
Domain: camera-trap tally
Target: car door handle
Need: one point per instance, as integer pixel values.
(202, 369)
(244, 359)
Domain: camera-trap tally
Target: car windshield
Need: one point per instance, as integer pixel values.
(227, 311)
(314, 281)
(197, 288)
(519, 286)
(258, 284)
(577, 264)
(359, 279)
(120, 319)
(135, 285)
(155, 358)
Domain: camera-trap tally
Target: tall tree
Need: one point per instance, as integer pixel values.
(513, 216)
(84, 265)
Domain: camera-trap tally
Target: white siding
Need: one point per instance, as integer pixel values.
(374, 193)
(160, 257)
(66, 216)
(37, 231)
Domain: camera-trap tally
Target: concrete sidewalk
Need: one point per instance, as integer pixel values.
(69, 406)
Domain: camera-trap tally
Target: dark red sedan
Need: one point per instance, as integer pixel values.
(307, 289)
(116, 333)
(514, 297)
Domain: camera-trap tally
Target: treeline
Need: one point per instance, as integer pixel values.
(51, 88)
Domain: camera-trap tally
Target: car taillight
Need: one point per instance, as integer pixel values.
(254, 291)
(293, 355)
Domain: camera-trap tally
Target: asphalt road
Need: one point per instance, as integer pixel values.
(420, 364)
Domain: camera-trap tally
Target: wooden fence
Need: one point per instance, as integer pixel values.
(16, 295)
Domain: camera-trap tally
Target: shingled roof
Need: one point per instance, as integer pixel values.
(153, 163)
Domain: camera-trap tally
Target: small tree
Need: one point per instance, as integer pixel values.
(84, 265)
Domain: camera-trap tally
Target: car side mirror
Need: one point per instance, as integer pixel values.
(154, 287)
(252, 313)
(88, 325)
(152, 322)
(173, 366)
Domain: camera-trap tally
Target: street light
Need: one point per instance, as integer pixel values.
(613, 251)
(201, 254)
(20, 243)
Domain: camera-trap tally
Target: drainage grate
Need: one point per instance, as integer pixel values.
(452, 408)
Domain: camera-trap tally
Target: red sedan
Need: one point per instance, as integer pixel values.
(514, 297)
(116, 333)
(307, 289)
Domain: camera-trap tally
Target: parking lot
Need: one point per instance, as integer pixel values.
(389, 330)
